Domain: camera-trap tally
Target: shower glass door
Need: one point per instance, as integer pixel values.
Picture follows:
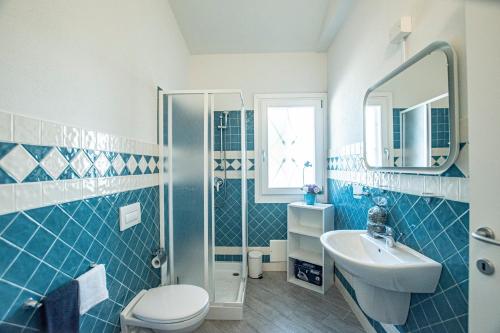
(198, 233)
(189, 202)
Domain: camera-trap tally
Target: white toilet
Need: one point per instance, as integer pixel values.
(174, 308)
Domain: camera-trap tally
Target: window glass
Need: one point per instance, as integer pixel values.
(374, 134)
(291, 136)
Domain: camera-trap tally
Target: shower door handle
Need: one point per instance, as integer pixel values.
(263, 156)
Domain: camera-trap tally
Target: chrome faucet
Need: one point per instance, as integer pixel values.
(218, 183)
(387, 234)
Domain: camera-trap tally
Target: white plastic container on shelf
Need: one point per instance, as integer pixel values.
(255, 264)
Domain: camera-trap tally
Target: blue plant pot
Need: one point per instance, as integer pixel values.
(310, 198)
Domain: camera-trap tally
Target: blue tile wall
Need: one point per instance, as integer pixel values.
(266, 258)
(265, 221)
(228, 214)
(440, 230)
(232, 134)
(228, 257)
(250, 130)
(44, 248)
(396, 127)
(440, 127)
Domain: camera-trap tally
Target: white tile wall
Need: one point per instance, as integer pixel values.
(115, 143)
(5, 126)
(89, 139)
(27, 130)
(432, 185)
(72, 137)
(53, 192)
(452, 188)
(464, 189)
(22, 129)
(28, 195)
(395, 181)
(7, 202)
(16, 197)
(72, 190)
(89, 187)
(19, 163)
(103, 141)
(52, 134)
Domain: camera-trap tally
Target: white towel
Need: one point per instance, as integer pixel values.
(92, 288)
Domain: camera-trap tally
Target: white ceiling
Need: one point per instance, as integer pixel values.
(257, 26)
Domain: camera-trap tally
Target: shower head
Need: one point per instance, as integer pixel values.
(223, 120)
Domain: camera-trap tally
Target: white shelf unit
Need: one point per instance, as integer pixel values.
(306, 223)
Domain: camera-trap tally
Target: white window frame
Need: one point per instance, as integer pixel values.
(262, 193)
(384, 99)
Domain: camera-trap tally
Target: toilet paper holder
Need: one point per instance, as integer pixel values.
(32, 303)
(159, 257)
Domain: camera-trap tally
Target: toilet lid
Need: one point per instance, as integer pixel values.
(170, 304)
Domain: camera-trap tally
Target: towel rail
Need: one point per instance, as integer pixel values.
(32, 303)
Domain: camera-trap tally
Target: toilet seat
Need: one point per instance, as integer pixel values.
(171, 304)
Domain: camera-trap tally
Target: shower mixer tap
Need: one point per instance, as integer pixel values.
(218, 182)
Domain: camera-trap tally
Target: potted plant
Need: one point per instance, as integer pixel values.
(310, 192)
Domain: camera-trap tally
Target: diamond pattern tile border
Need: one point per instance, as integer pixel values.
(21, 163)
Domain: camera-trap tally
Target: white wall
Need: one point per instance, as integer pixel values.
(419, 83)
(93, 64)
(260, 73)
(361, 55)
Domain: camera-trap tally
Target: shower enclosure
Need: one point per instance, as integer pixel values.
(193, 181)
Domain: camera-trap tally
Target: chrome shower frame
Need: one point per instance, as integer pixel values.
(226, 310)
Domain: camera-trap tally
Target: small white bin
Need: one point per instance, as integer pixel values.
(255, 264)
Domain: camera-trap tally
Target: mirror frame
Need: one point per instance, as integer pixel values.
(447, 49)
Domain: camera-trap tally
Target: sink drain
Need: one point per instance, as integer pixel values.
(236, 274)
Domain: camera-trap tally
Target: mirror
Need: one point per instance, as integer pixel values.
(411, 116)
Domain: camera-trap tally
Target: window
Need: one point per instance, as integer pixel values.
(289, 145)
(379, 129)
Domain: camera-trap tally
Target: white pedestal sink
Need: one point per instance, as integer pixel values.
(383, 277)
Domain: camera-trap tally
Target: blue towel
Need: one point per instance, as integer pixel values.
(61, 309)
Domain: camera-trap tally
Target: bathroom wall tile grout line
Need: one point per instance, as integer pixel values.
(57, 237)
